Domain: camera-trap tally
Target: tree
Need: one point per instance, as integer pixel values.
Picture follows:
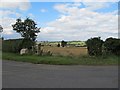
(112, 46)
(1, 30)
(28, 31)
(63, 43)
(58, 45)
(94, 46)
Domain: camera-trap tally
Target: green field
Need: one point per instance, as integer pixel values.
(54, 43)
(63, 60)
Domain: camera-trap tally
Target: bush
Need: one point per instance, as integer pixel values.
(112, 46)
(94, 46)
(12, 45)
(63, 43)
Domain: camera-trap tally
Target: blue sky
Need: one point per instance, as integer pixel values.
(63, 20)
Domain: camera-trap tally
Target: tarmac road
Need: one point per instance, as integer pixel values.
(27, 75)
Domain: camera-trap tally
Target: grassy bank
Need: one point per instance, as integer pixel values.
(62, 60)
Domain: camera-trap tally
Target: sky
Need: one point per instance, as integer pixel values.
(68, 21)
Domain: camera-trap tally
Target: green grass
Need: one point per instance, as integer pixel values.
(63, 60)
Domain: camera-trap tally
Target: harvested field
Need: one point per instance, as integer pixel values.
(66, 51)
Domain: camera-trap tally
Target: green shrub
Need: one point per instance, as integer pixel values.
(94, 46)
(63, 43)
(12, 45)
(112, 46)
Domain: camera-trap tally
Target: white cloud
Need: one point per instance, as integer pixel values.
(14, 4)
(81, 23)
(5, 13)
(96, 5)
(65, 8)
(43, 10)
(6, 23)
(10, 7)
(95, 0)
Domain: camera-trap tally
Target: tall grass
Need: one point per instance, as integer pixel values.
(63, 60)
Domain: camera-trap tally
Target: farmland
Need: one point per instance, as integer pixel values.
(66, 51)
(69, 50)
(69, 43)
(68, 55)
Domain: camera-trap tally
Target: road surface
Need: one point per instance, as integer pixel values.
(28, 75)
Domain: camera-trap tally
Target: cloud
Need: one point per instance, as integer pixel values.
(6, 20)
(96, 5)
(5, 13)
(43, 10)
(9, 13)
(65, 8)
(77, 23)
(95, 0)
(15, 4)
(6, 23)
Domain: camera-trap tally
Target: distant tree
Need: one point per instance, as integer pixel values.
(1, 30)
(58, 45)
(28, 31)
(94, 46)
(63, 43)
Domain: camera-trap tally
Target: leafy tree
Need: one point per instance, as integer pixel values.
(28, 31)
(112, 45)
(94, 46)
(1, 30)
(58, 45)
(63, 43)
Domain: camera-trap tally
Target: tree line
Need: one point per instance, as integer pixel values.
(97, 47)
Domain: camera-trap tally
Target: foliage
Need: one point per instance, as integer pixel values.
(58, 45)
(47, 53)
(12, 45)
(94, 46)
(1, 29)
(112, 46)
(79, 43)
(63, 43)
(28, 30)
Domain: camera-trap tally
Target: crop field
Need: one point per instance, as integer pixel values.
(66, 51)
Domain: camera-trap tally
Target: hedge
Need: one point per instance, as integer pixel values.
(112, 45)
(94, 46)
(12, 45)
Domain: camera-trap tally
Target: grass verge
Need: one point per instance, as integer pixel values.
(63, 60)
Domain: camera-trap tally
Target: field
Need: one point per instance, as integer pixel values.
(69, 43)
(63, 56)
(66, 51)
